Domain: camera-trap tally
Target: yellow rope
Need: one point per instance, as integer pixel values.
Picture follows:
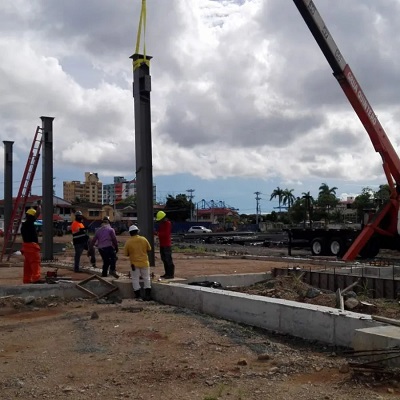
(142, 21)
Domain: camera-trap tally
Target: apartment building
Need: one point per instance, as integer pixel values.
(91, 190)
(121, 189)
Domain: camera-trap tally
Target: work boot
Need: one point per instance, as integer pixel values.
(137, 295)
(114, 274)
(147, 294)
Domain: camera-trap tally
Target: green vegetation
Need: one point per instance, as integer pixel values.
(178, 248)
(292, 208)
(305, 208)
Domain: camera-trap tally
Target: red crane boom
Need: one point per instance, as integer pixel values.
(385, 222)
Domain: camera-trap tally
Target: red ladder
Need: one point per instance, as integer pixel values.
(24, 191)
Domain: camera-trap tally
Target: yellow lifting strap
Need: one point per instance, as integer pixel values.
(142, 21)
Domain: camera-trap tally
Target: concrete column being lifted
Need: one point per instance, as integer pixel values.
(47, 187)
(8, 182)
(143, 152)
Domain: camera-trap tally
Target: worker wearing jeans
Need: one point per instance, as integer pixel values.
(79, 238)
(107, 245)
(165, 240)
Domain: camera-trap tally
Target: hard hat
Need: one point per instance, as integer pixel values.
(133, 228)
(31, 211)
(78, 213)
(160, 215)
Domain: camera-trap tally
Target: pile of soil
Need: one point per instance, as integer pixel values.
(291, 287)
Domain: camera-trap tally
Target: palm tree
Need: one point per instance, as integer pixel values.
(278, 192)
(288, 198)
(308, 203)
(325, 190)
(327, 198)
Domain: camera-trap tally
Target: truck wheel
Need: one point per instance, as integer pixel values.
(317, 247)
(336, 246)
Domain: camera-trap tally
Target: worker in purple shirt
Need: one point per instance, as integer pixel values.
(106, 242)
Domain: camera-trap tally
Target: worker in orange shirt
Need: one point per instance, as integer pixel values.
(30, 246)
(80, 239)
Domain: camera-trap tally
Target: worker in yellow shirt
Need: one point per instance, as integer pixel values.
(137, 248)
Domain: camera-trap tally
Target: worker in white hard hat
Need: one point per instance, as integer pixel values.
(163, 232)
(30, 246)
(137, 248)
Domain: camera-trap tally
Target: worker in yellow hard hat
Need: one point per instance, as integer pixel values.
(163, 232)
(30, 247)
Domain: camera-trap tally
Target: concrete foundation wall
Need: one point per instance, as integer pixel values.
(306, 321)
(370, 340)
(65, 290)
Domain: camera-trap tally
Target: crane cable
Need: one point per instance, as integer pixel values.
(142, 21)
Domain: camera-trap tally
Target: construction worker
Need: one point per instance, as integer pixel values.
(30, 246)
(164, 236)
(107, 245)
(137, 248)
(80, 239)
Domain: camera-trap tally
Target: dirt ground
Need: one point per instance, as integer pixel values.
(57, 349)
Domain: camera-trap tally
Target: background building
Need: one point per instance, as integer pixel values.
(91, 190)
(120, 190)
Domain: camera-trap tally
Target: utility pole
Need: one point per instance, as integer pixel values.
(258, 210)
(191, 196)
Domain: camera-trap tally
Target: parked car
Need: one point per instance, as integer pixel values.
(199, 229)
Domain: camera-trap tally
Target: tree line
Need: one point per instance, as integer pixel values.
(291, 208)
(324, 206)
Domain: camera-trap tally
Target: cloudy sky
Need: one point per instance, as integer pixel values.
(242, 98)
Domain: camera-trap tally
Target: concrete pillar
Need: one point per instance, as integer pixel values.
(143, 152)
(8, 183)
(47, 187)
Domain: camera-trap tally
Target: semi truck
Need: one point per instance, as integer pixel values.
(381, 230)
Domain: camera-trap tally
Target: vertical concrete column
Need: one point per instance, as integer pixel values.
(47, 187)
(8, 183)
(143, 152)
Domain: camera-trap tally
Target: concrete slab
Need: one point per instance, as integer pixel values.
(66, 290)
(306, 321)
(125, 289)
(377, 338)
